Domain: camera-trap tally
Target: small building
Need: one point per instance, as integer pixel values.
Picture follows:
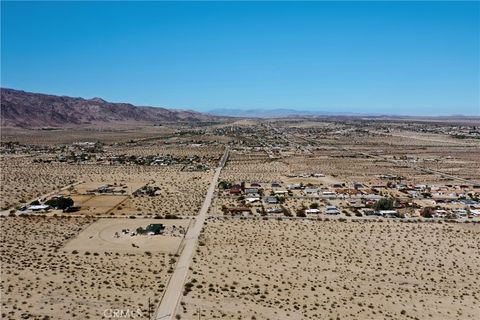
(312, 211)
(389, 213)
(369, 212)
(329, 195)
(311, 192)
(38, 207)
(331, 210)
(152, 229)
(239, 210)
(275, 210)
(294, 186)
(357, 185)
(271, 200)
(251, 191)
(235, 190)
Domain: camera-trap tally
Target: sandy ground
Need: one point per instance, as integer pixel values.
(334, 270)
(100, 236)
(41, 280)
(181, 193)
(252, 269)
(98, 205)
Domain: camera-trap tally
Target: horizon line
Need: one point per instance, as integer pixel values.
(249, 109)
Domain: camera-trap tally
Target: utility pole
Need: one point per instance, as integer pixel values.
(149, 311)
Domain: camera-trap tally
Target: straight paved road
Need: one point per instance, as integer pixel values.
(174, 289)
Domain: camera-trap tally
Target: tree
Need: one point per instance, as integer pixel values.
(301, 214)
(314, 205)
(60, 203)
(384, 204)
(224, 185)
(427, 212)
(286, 212)
(301, 211)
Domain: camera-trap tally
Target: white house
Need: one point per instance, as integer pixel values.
(329, 195)
(38, 207)
(312, 211)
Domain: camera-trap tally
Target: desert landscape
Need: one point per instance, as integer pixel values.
(240, 160)
(325, 219)
(43, 279)
(326, 269)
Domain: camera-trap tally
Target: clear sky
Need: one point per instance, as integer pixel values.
(364, 57)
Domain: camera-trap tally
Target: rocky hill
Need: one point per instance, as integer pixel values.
(35, 110)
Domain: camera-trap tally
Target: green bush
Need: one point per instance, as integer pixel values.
(385, 204)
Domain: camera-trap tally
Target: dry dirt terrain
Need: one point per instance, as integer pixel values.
(105, 235)
(41, 279)
(181, 193)
(250, 264)
(252, 269)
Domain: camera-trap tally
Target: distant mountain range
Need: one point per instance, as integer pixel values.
(291, 113)
(35, 110)
(277, 113)
(272, 113)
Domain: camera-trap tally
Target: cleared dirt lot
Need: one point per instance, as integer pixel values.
(98, 205)
(100, 236)
(335, 270)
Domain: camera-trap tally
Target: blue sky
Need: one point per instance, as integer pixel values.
(364, 57)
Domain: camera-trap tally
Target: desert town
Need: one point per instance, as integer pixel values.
(244, 219)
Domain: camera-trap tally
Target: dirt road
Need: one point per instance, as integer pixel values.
(173, 292)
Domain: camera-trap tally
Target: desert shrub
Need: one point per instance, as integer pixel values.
(427, 212)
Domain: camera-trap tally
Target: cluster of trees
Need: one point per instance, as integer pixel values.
(385, 204)
(224, 185)
(60, 203)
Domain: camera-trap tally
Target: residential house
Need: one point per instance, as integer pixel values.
(331, 210)
(271, 200)
(311, 192)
